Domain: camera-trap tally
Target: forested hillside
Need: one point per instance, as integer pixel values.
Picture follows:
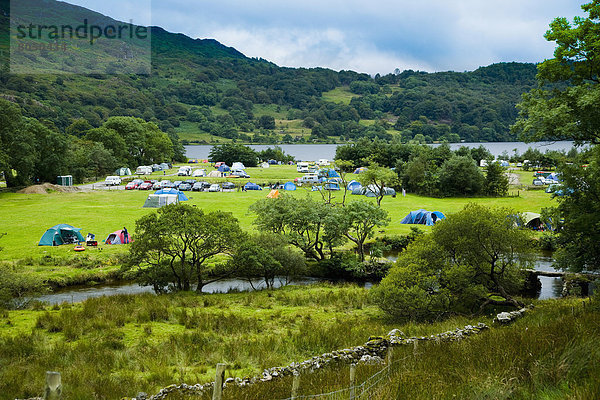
(200, 91)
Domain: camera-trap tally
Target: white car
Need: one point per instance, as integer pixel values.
(215, 187)
(309, 178)
(112, 181)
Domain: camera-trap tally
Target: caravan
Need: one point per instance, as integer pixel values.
(143, 170)
(302, 167)
(185, 171)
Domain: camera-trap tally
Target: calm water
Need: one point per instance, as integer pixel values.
(74, 295)
(551, 287)
(314, 152)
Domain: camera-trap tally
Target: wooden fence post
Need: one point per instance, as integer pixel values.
(53, 386)
(390, 355)
(352, 381)
(219, 377)
(295, 385)
(415, 347)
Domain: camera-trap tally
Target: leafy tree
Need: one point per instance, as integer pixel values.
(173, 246)
(307, 224)
(480, 153)
(579, 216)
(267, 256)
(486, 241)
(496, 180)
(266, 122)
(566, 109)
(230, 153)
(378, 178)
(468, 259)
(460, 176)
(358, 221)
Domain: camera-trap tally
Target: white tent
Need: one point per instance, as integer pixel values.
(199, 172)
(238, 166)
(264, 165)
(160, 200)
(214, 174)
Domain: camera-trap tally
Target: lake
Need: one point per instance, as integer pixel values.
(314, 152)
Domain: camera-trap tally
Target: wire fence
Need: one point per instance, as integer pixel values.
(362, 391)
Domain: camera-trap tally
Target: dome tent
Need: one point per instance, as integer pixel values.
(423, 217)
(289, 186)
(61, 234)
(352, 185)
(252, 186)
(117, 237)
(180, 195)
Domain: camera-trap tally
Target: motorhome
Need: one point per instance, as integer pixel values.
(112, 181)
(143, 170)
(302, 167)
(186, 170)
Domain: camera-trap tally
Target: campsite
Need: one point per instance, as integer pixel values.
(27, 216)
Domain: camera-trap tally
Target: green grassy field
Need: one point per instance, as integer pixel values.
(340, 95)
(111, 347)
(25, 217)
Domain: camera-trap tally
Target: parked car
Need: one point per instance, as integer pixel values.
(309, 178)
(165, 184)
(215, 187)
(240, 173)
(228, 186)
(185, 186)
(205, 185)
(131, 186)
(146, 186)
(176, 184)
(538, 182)
(156, 186)
(190, 181)
(112, 180)
(198, 187)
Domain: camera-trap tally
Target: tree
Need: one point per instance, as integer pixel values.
(566, 108)
(307, 224)
(496, 180)
(468, 259)
(579, 216)
(378, 178)
(173, 246)
(358, 220)
(266, 122)
(267, 256)
(230, 153)
(460, 176)
(486, 241)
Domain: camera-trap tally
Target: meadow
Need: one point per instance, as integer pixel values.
(107, 348)
(25, 217)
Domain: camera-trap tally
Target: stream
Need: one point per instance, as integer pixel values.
(551, 287)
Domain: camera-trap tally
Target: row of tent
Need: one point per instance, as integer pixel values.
(66, 234)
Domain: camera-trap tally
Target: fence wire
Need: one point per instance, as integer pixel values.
(357, 392)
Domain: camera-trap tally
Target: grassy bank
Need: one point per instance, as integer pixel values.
(107, 348)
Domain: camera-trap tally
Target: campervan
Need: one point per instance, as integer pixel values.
(184, 171)
(309, 178)
(143, 170)
(302, 167)
(112, 181)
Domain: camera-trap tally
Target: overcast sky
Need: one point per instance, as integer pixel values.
(373, 36)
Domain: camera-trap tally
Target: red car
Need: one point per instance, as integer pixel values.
(145, 186)
(131, 186)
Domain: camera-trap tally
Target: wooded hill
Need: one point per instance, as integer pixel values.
(209, 93)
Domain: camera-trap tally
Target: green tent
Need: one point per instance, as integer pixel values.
(61, 234)
(123, 171)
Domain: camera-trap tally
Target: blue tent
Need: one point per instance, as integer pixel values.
(61, 234)
(423, 217)
(359, 170)
(289, 186)
(353, 185)
(180, 195)
(331, 185)
(252, 186)
(328, 173)
(224, 168)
